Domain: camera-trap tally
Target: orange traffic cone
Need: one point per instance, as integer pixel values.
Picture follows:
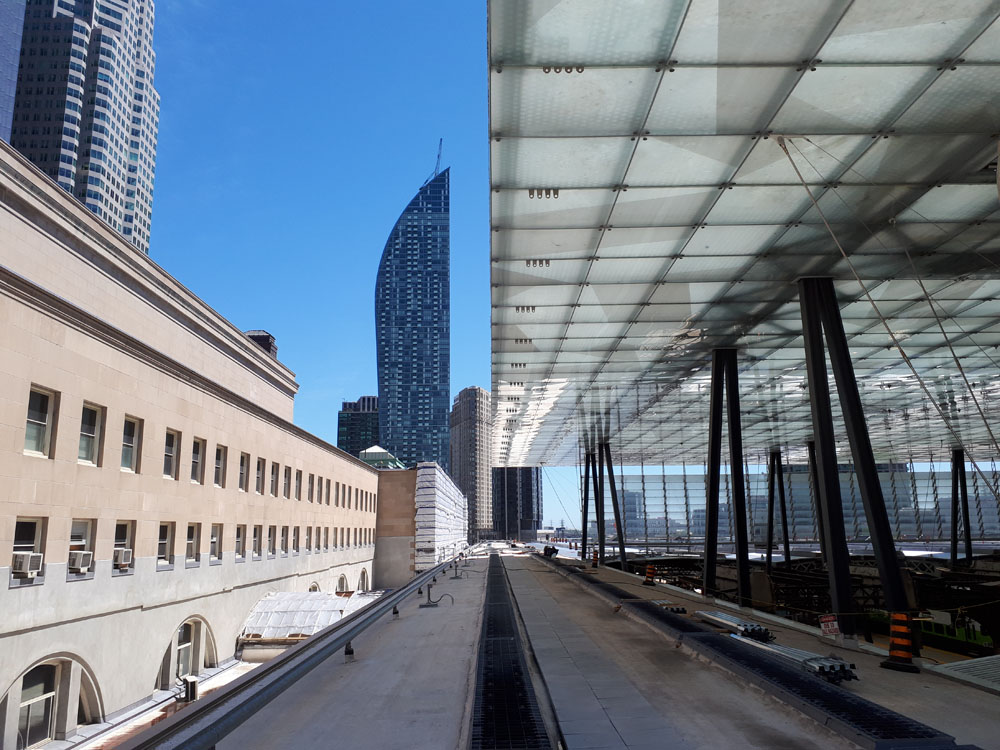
(650, 573)
(900, 644)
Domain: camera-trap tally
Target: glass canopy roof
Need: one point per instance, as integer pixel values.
(662, 173)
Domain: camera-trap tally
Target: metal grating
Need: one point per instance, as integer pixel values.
(505, 713)
(983, 672)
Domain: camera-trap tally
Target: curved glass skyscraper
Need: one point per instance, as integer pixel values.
(413, 329)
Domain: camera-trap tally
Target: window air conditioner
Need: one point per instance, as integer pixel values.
(80, 561)
(26, 564)
(122, 557)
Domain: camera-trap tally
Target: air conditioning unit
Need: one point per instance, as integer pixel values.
(122, 557)
(26, 564)
(80, 561)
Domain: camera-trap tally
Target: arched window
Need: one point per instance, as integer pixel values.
(35, 720)
(314, 587)
(45, 709)
(363, 580)
(189, 652)
(342, 585)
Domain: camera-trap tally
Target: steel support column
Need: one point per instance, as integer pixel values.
(712, 480)
(614, 505)
(814, 488)
(736, 473)
(865, 468)
(770, 512)
(586, 504)
(827, 480)
(779, 479)
(599, 503)
(959, 502)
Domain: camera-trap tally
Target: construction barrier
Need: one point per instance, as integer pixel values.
(900, 644)
(650, 574)
(593, 563)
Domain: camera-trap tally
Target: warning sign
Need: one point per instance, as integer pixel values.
(828, 624)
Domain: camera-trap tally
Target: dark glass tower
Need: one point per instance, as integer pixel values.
(413, 329)
(517, 502)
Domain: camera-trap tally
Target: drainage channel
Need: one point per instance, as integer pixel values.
(506, 713)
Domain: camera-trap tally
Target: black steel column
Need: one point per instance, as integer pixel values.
(738, 483)
(827, 479)
(770, 512)
(953, 561)
(599, 502)
(779, 479)
(959, 501)
(966, 523)
(712, 480)
(865, 468)
(614, 506)
(586, 504)
(814, 476)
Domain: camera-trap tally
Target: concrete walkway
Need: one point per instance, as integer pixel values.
(409, 687)
(614, 683)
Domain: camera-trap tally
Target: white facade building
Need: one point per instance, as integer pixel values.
(442, 521)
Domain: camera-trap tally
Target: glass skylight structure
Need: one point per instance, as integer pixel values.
(413, 329)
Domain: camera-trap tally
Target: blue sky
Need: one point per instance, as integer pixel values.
(291, 137)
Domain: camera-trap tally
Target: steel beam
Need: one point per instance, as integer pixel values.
(614, 505)
(814, 488)
(712, 480)
(737, 477)
(827, 482)
(599, 503)
(770, 512)
(883, 545)
(966, 522)
(959, 502)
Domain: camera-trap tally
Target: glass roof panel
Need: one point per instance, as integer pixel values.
(770, 204)
(685, 160)
(516, 273)
(631, 271)
(559, 162)
(721, 101)
(596, 102)
(867, 203)
(850, 99)
(953, 203)
(644, 242)
(735, 31)
(732, 240)
(582, 31)
(917, 158)
(906, 30)
(987, 47)
(553, 244)
(647, 207)
(820, 158)
(960, 101)
(537, 295)
(515, 209)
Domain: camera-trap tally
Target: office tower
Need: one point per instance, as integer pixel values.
(517, 502)
(472, 457)
(11, 24)
(412, 329)
(86, 112)
(357, 425)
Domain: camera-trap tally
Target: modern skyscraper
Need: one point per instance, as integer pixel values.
(472, 457)
(517, 501)
(11, 25)
(357, 425)
(86, 112)
(412, 329)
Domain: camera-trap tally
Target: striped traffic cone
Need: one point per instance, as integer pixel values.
(650, 572)
(593, 562)
(900, 644)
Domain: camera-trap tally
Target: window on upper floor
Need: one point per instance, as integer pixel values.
(298, 484)
(192, 550)
(261, 468)
(215, 543)
(240, 542)
(221, 453)
(244, 472)
(131, 444)
(171, 445)
(91, 421)
(165, 545)
(40, 425)
(274, 479)
(287, 488)
(198, 461)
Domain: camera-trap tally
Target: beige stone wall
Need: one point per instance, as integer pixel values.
(395, 528)
(86, 317)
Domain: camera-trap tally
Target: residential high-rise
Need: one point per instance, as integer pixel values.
(472, 457)
(412, 329)
(86, 112)
(517, 502)
(11, 24)
(357, 425)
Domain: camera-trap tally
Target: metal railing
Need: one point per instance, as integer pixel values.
(202, 724)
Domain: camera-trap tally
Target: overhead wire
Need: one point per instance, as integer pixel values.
(780, 140)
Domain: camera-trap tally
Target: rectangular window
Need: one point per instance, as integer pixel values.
(220, 465)
(284, 540)
(215, 543)
(244, 471)
(272, 533)
(28, 535)
(131, 444)
(298, 484)
(239, 546)
(261, 464)
(257, 542)
(192, 552)
(80, 535)
(170, 446)
(312, 481)
(336, 494)
(122, 557)
(198, 461)
(165, 545)
(326, 537)
(41, 422)
(327, 491)
(309, 536)
(319, 490)
(274, 479)
(287, 489)
(90, 434)
(295, 540)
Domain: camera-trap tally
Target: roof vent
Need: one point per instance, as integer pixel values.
(265, 341)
